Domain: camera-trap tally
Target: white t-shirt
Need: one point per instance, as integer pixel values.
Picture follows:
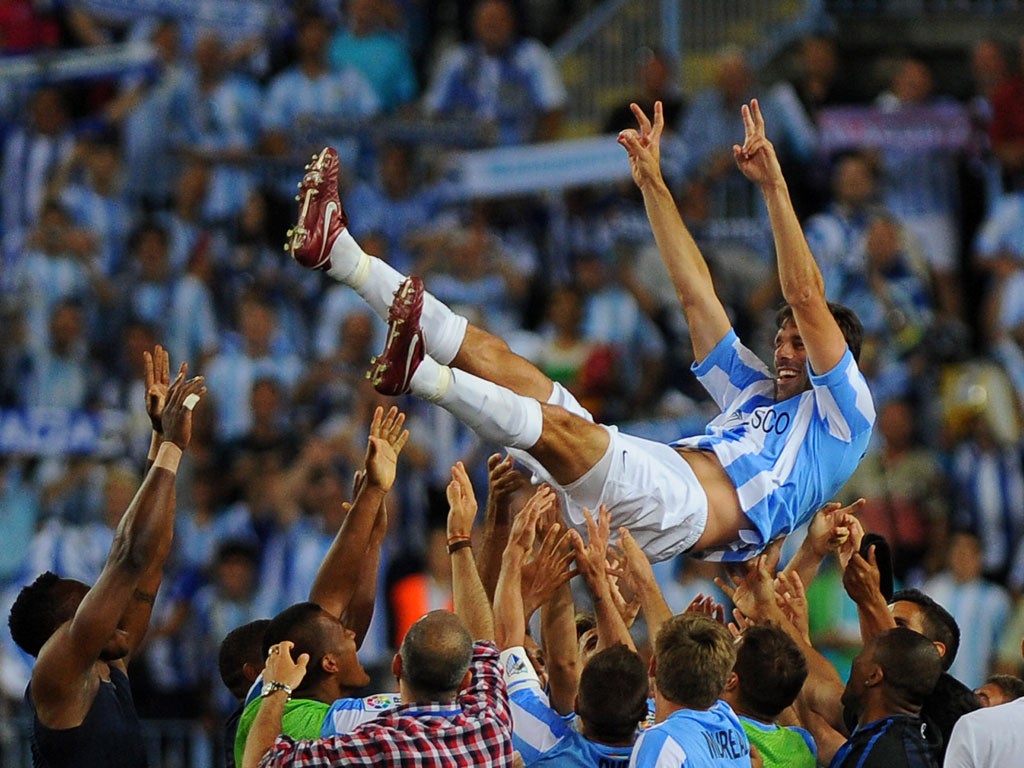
(988, 737)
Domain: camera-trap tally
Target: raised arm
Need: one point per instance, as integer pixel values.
(339, 575)
(690, 275)
(509, 612)
(141, 544)
(862, 580)
(468, 595)
(503, 480)
(802, 284)
(591, 562)
(652, 601)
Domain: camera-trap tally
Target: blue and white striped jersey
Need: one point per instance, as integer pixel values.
(539, 733)
(694, 738)
(786, 458)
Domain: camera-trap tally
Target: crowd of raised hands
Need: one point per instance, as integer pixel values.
(606, 672)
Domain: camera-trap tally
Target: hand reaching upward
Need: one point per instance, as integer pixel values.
(387, 438)
(756, 159)
(644, 145)
(158, 381)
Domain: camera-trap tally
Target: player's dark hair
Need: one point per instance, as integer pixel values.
(36, 614)
(845, 317)
(910, 663)
(613, 719)
(938, 623)
(771, 669)
(242, 645)
(299, 623)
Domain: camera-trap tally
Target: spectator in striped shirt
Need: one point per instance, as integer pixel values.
(455, 709)
(500, 80)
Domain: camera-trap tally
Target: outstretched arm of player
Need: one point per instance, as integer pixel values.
(141, 544)
(338, 576)
(690, 275)
(802, 284)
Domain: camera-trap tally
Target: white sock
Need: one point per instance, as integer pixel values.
(376, 281)
(495, 413)
(349, 262)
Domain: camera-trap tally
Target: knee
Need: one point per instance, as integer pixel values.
(569, 444)
(487, 348)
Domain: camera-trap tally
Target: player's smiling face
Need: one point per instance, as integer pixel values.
(791, 376)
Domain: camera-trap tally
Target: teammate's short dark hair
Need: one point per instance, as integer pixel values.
(771, 669)
(846, 318)
(910, 663)
(37, 613)
(1011, 686)
(299, 623)
(435, 655)
(938, 624)
(694, 655)
(613, 718)
(242, 645)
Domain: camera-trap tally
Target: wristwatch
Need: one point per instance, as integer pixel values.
(273, 686)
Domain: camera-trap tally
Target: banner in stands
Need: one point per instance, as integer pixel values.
(536, 168)
(58, 431)
(943, 126)
(90, 63)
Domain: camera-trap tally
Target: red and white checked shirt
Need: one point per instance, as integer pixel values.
(476, 730)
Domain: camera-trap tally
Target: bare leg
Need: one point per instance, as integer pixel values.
(566, 444)
(485, 355)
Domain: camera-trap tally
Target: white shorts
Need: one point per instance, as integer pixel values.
(647, 487)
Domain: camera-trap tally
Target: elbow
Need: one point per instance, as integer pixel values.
(564, 667)
(127, 554)
(803, 295)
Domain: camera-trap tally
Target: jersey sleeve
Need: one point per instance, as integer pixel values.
(536, 727)
(345, 715)
(843, 400)
(729, 369)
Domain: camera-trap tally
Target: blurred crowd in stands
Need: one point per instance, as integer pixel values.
(148, 205)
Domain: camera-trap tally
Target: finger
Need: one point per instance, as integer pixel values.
(396, 425)
(147, 360)
(728, 589)
(758, 117)
(163, 365)
(591, 525)
(378, 417)
(659, 120)
(302, 661)
(630, 139)
(400, 442)
(748, 122)
(453, 492)
(641, 118)
(871, 556)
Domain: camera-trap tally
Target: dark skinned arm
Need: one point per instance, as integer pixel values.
(63, 684)
(338, 578)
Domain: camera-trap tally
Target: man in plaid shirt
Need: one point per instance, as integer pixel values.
(456, 711)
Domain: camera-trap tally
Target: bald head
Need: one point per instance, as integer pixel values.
(435, 656)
